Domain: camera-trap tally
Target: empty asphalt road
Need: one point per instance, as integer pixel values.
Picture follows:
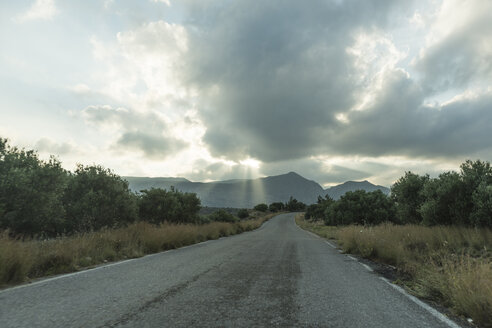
(278, 275)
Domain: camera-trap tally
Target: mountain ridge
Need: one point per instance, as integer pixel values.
(246, 193)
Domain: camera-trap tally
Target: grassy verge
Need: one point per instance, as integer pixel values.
(21, 261)
(448, 265)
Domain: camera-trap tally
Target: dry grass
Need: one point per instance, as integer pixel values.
(318, 227)
(449, 265)
(24, 260)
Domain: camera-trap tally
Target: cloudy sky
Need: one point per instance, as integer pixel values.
(335, 90)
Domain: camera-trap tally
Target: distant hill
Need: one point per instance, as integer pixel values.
(249, 192)
(336, 191)
(140, 183)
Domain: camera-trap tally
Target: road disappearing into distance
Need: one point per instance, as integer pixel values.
(278, 275)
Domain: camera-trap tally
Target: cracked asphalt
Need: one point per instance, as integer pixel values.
(276, 276)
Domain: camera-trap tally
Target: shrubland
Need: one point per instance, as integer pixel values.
(453, 198)
(54, 221)
(436, 232)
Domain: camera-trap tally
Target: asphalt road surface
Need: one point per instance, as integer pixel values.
(278, 275)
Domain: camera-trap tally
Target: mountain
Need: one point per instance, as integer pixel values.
(247, 193)
(336, 191)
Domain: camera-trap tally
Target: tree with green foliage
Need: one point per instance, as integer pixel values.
(477, 181)
(276, 207)
(315, 212)
(190, 205)
(242, 213)
(444, 201)
(293, 205)
(360, 207)
(481, 215)
(95, 197)
(222, 216)
(158, 205)
(408, 198)
(261, 207)
(30, 192)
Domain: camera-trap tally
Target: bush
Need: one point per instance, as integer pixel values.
(96, 197)
(408, 197)
(222, 216)
(444, 200)
(453, 198)
(31, 192)
(360, 207)
(293, 205)
(477, 184)
(317, 211)
(158, 205)
(482, 206)
(261, 207)
(243, 213)
(276, 207)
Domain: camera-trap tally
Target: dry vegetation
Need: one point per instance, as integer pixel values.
(450, 265)
(24, 260)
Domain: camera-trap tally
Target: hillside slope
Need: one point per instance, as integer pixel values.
(249, 192)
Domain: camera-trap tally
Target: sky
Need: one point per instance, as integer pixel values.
(334, 90)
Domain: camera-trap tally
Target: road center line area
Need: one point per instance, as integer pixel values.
(278, 276)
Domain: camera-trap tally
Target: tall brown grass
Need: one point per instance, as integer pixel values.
(450, 265)
(28, 259)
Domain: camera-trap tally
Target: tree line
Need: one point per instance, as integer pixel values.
(39, 197)
(453, 198)
(292, 205)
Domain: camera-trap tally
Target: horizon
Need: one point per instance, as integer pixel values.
(276, 175)
(214, 91)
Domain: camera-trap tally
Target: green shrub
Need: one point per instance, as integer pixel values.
(31, 192)
(276, 207)
(317, 211)
(242, 213)
(293, 205)
(360, 207)
(408, 197)
(222, 216)
(96, 197)
(158, 205)
(261, 207)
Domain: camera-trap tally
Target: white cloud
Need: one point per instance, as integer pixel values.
(40, 10)
(47, 145)
(108, 4)
(417, 20)
(80, 88)
(167, 2)
(146, 133)
(458, 47)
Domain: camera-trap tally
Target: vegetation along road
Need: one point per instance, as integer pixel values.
(278, 275)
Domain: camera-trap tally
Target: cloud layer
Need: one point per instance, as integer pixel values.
(39, 10)
(144, 132)
(332, 89)
(290, 81)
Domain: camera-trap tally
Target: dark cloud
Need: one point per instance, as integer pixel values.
(274, 74)
(399, 124)
(146, 132)
(152, 146)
